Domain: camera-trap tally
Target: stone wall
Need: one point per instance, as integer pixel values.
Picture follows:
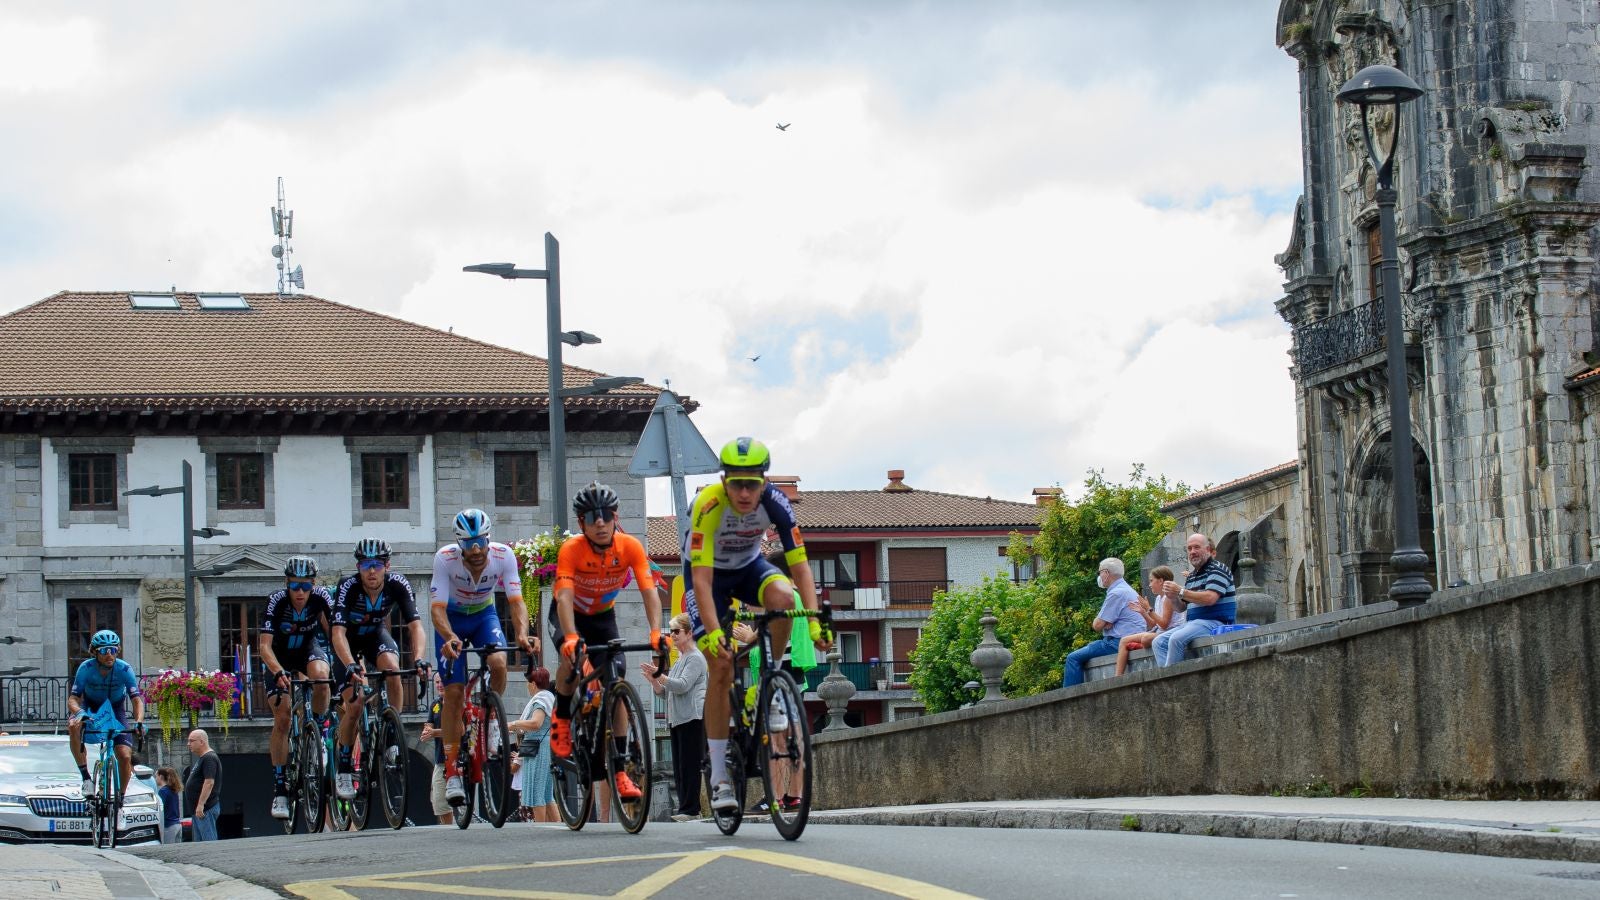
(1484, 692)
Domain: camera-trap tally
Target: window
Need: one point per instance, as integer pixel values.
(238, 644)
(84, 618)
(835, 571)
(916, 574)
(383, 481)
(1374, 262)
(516, 478)
(1022, 572)
(239, 482)
(92, 481)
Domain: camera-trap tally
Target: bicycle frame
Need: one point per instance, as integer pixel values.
(592, 727)
(484, 756)
(368, 767)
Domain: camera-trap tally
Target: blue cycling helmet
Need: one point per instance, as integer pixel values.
(471, 523)
(104, 638)
(300, 567)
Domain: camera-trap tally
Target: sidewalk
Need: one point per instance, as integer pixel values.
(1537, 829)
(83, 873)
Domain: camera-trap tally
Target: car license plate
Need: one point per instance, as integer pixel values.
(69, 824)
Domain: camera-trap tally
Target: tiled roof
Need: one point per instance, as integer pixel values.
(94, 350)
(1263, 475)
(1584, 377)
(823, 511)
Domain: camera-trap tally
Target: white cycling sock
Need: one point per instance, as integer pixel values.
(719, 759)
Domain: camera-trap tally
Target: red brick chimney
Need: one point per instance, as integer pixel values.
(1044, 496)
(897, 482)
(789, 484)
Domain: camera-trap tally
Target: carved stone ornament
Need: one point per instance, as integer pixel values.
(162, 621)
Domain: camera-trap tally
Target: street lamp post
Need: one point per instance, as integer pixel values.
(555, 337)
(1386, 86)
(189, 534)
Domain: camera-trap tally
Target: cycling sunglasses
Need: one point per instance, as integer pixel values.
(749, 484)
(367, 565)
(111, 650)
(599, 515)
(301, 585)
(468, 543)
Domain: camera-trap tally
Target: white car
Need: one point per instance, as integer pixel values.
(41, 796)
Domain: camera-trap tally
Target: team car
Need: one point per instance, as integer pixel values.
(41, 796)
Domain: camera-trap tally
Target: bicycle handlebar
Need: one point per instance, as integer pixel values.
(613, 646)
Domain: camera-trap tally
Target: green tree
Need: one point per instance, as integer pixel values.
(1121, 520)
(941, 663)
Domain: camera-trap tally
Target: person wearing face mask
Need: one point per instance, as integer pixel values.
(1118, 618)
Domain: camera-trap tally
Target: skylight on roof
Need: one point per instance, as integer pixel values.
(153, 301)
(222, 301)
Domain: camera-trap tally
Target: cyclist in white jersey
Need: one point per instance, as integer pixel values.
(466, 575)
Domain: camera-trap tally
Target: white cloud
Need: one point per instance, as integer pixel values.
(45, 57)
(995, 279)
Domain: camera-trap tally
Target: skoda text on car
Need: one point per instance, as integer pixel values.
(41, 796)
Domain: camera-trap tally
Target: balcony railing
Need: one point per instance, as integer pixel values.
(1339, 338)
(35, 699)
(866, 676)
(892, 594)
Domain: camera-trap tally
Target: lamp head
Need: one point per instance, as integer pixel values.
(1379, 86)
(504, 270)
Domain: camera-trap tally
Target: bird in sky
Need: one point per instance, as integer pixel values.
(784, 126)
(756, 358)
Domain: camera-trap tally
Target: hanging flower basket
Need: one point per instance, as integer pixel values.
(178, 694)
(536, 561)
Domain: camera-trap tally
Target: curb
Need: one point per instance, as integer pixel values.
(209, 884)
(1432, 836)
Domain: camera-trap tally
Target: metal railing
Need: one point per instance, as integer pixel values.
(36, 699)
(891, 674)
(1339, 338)
(894, 593)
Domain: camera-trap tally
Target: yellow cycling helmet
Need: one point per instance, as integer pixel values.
(745, 454)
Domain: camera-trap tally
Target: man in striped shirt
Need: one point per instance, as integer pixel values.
(1208, 595)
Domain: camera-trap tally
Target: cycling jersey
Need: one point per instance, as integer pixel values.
(294, 628)
(722, 538)
(362, 616)
(454, 588)
(597, 577)
(92, 684)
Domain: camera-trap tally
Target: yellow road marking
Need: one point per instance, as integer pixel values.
(654, 884)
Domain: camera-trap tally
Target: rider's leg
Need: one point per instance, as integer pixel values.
(390, 662)
(719, 676)
(497, 672)
(349, 718)
(778, 594)
(450, 720)
(75, 741)
(278, 743)
(125, 764)
(317, 668)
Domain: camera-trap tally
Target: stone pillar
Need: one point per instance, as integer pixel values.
(1254, 607)
(991, 658)
(836, 691)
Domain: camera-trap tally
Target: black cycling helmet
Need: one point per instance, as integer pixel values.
(372, 548)
(300, 567)
(594, 498)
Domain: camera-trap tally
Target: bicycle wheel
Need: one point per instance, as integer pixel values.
(389, 765)
(569, 781)
(100, 805)
(728, 819)
(785, 741)
(110, 774)
(313, 784)
(632, 761)
(494, 791)
(361, 757)
(339, 811)
(470, 729)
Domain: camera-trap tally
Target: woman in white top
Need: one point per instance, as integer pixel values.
(1166, 616)
(532, 777)
(685, 690)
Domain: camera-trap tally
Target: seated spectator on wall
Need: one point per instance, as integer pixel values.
(1117, 619)
(1208, 596)
(1163, 617)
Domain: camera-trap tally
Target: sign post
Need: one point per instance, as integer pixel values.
(671, 445)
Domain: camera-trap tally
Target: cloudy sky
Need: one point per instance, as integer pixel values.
(1001, 243)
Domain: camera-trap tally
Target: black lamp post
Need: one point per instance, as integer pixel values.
(1386, 86)
(189, 534)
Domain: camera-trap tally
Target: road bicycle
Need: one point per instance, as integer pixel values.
(379, 761)
(771, 738)
(484, 759)
(105, 804)
(305, 770)
(596, 753)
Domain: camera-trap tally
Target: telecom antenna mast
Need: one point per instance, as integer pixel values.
(283, 227)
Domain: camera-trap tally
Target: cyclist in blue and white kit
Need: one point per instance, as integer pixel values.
(98, 680)
(466, 575)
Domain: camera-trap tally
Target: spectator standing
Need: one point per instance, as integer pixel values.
(431, 730)
(1118, 618)
(170, 790)
(204, 785)
(1207, 592)
(533, 747)
(1164, 616)
(685, 689)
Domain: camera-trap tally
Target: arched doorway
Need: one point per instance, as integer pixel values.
(1374, 517)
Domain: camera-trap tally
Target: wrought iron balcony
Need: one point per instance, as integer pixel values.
(1339, 338)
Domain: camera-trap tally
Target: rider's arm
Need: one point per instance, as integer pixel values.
(441, 622)
(138, 707)
(408, 613)
(268, 658)
(647, 586)
(700, 579)
(341, 646)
